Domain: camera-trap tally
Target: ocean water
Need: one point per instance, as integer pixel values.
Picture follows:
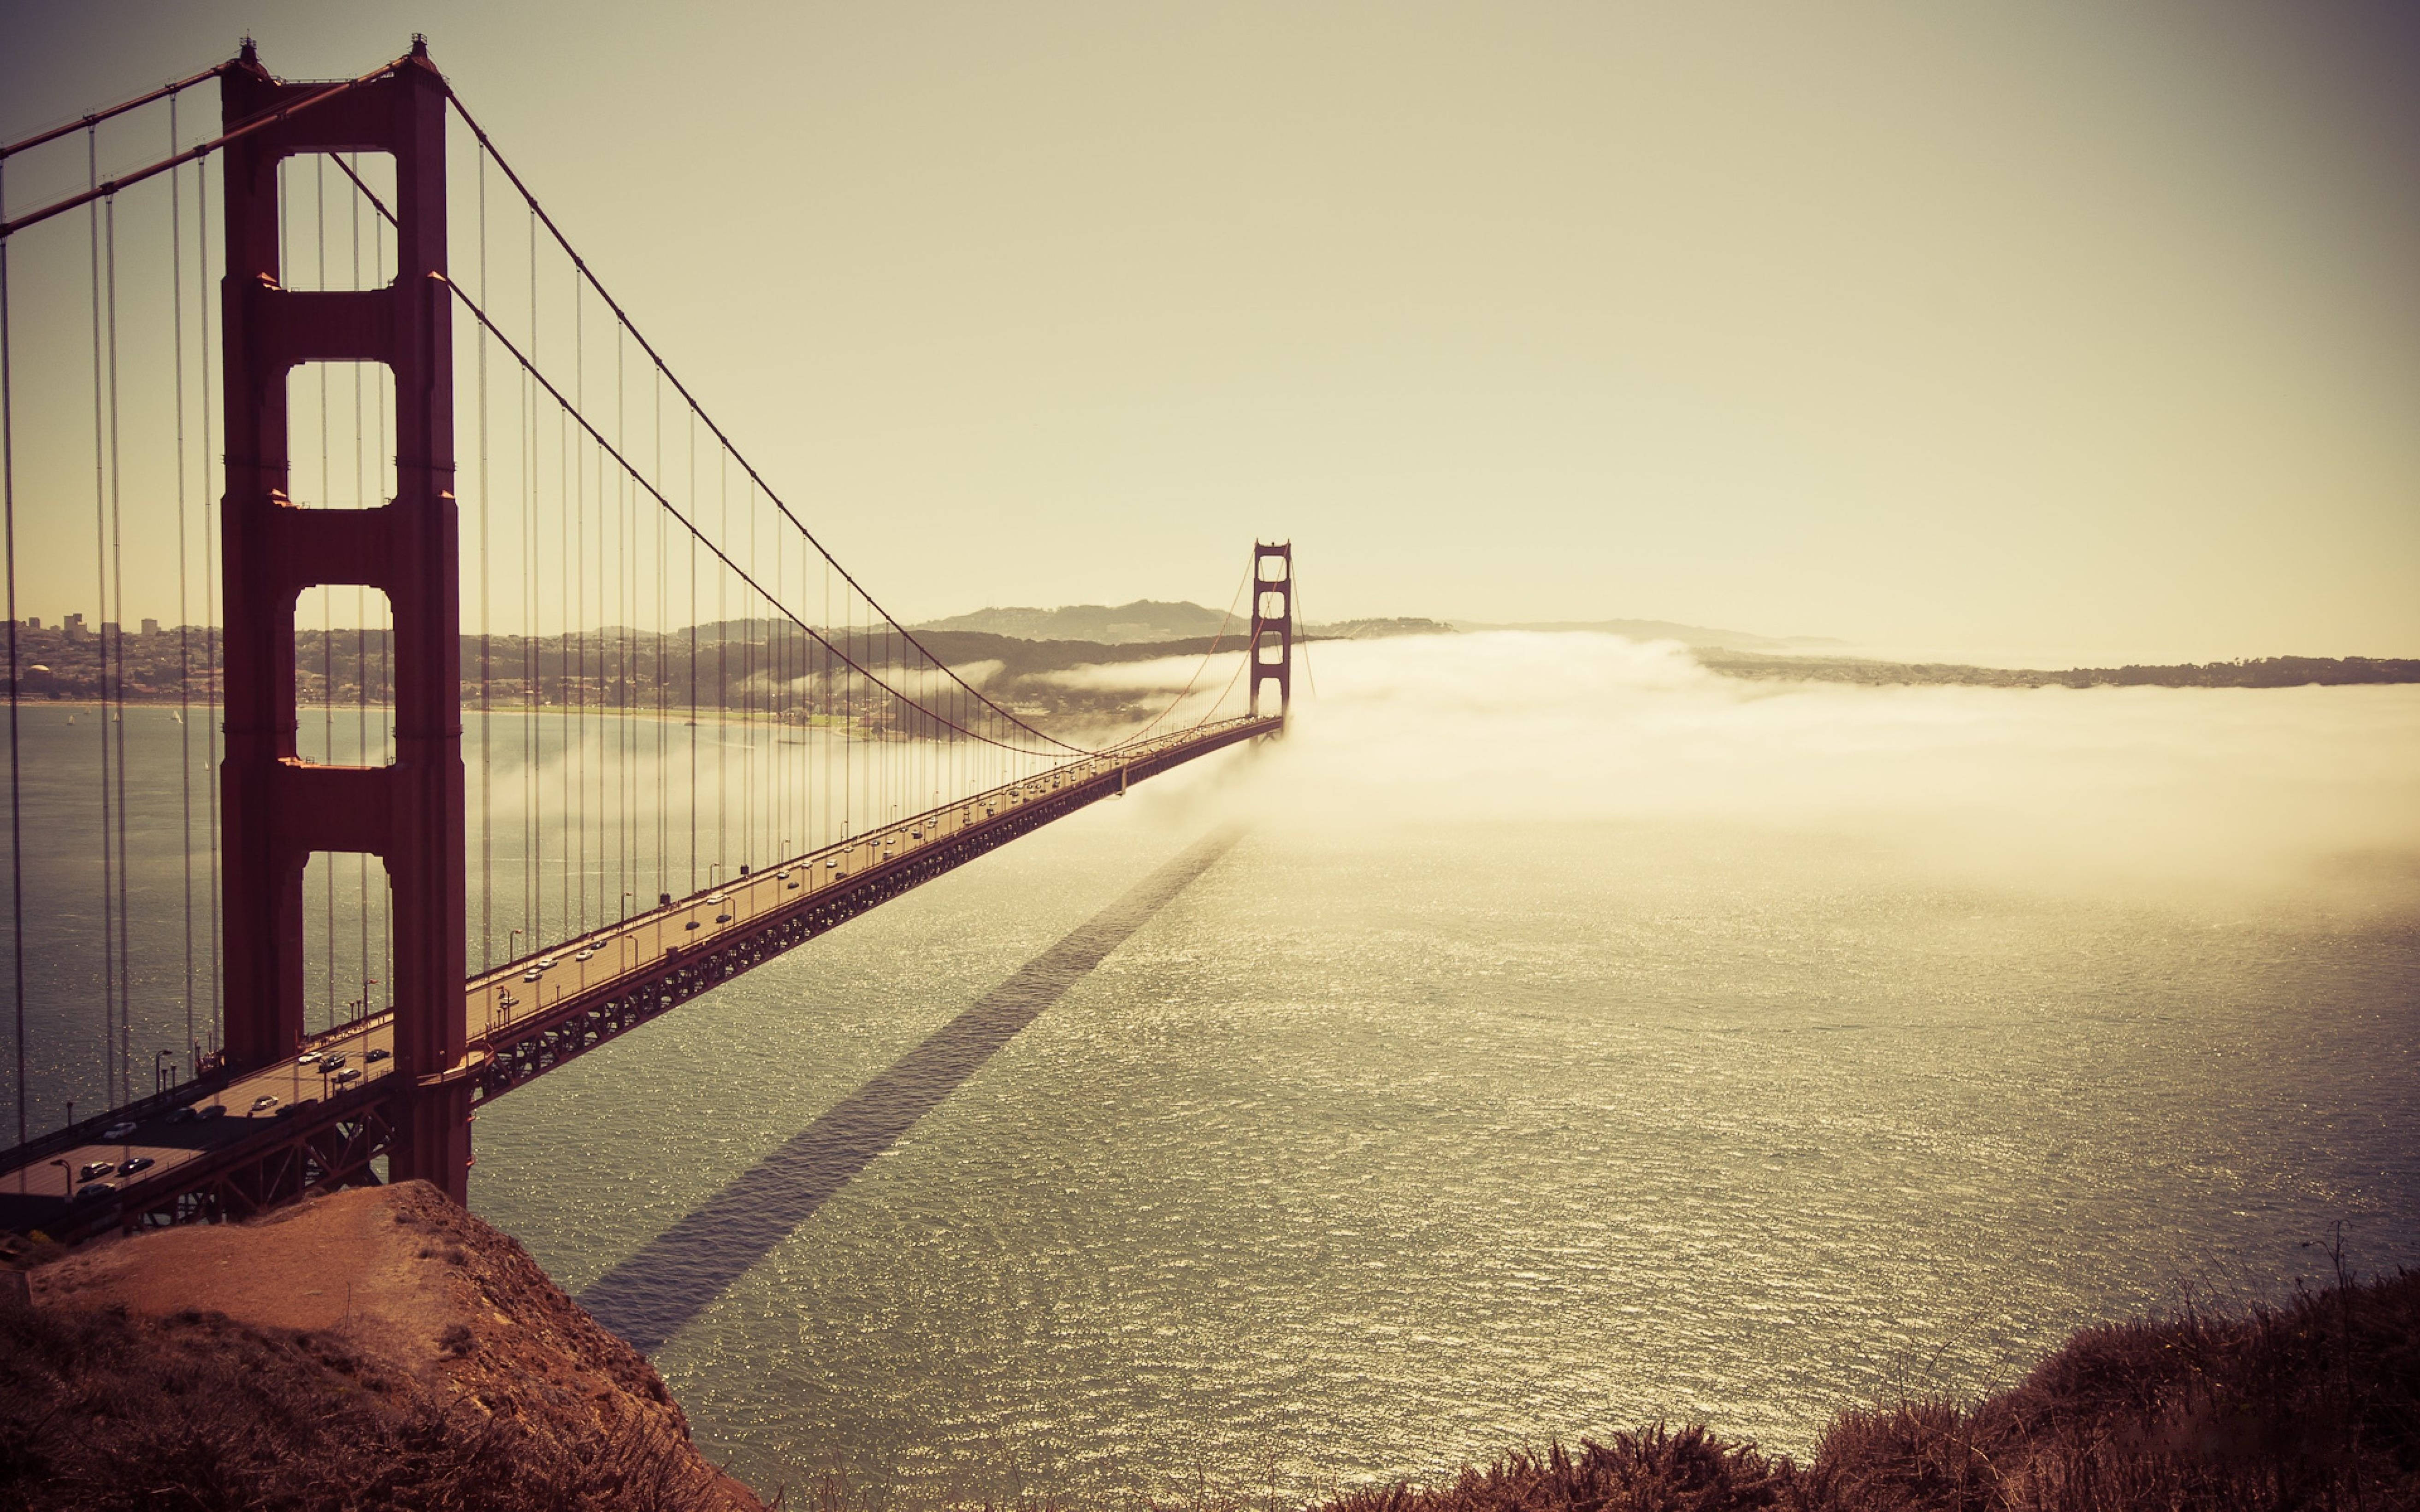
(1572, 1039)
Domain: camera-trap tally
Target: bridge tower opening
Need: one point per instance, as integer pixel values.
(1272, 645)
(280, 808)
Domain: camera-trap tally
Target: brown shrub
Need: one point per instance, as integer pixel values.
(101, 1411)
(2312, 1404)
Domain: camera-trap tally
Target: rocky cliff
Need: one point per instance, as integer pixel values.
(374, 1348)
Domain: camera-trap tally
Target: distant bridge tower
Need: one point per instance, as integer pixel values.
(1272, 648)
(281, 808)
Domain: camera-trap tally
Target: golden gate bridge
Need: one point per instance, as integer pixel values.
(612, 726)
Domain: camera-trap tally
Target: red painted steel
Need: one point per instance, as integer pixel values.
(1272, 622)
(279, 809)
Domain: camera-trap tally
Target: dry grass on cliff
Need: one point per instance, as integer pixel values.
(110, 1410)
(2313, 1404)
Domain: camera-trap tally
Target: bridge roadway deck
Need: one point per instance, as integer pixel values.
(530, 1014)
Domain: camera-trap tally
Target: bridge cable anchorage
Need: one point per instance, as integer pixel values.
(729, 563)
(621, 315)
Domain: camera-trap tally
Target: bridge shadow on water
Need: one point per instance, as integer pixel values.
(657, 1291)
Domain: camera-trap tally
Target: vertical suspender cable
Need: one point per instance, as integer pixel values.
(361, 631)
(16, 811)
(327, 599)
(723, 675)
(487, 700)
(209, 578)
(184, 655)
(578, 602)
(664, 624)
(117, 724)
(618, 702)
(693, 656)
(533, 674)
(101, 570)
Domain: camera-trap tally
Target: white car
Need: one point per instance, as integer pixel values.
(308, 1058)
(117, 1131)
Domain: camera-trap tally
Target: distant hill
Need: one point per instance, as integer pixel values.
(1145, 619)
(1696, 637)
(1377, 630)
(2266, 671)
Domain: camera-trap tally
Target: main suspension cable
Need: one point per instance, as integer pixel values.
(732, 565)
(623, 316)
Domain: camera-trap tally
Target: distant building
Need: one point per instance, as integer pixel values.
(151, 626)
(74, 626)
(109, 630)
(33, 621)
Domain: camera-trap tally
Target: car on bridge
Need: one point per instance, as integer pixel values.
(95, 1170)
(93, 1193)
(308, 1057)
(140, 1163)
(117, 1131)
(264, 1102)
(347, 1077)
(376, 1054)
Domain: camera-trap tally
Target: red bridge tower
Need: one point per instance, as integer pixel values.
(280, 809)
(1272, 649)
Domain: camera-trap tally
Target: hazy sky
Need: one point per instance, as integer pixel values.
(2087, 327)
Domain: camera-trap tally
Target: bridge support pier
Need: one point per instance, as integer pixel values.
(280, 809)
(1272, 645)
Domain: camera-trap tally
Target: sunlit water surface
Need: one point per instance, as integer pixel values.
(1536, 1080)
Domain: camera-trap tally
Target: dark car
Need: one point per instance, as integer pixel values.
(93, 1193)
(345, 1078)
(333, 1063)
(94, 1170)
(216, 1110)
(184, 1115)
(373, 1055)
(140, 1163)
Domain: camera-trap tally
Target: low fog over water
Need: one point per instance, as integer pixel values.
(1574, 1037)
